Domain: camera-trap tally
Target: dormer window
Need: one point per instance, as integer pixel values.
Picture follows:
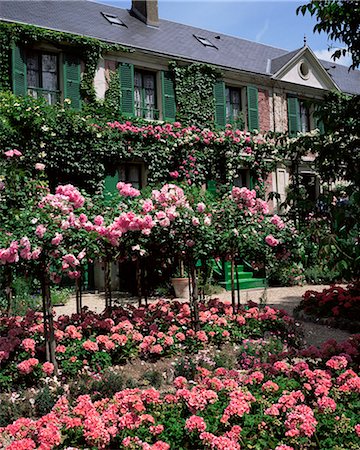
(204, 41)
(114, 20)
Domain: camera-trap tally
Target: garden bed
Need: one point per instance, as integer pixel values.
(336, 307)
(241, 381)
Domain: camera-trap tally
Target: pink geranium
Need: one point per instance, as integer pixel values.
(48, 368)
(27, 366)
(195, 423)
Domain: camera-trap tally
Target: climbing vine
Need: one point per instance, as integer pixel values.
(88, 49)
(194, 89)
(113, 95)
(77, 148)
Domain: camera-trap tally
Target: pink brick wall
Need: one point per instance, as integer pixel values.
(264, 109)
(110, 66)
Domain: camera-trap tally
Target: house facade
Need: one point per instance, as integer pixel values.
(260, 87)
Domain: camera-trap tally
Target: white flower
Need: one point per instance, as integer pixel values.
(44, 128)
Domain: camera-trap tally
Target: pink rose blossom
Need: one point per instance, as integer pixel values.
(270, 240)
(40, 166)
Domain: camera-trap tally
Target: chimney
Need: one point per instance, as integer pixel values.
(146, 11)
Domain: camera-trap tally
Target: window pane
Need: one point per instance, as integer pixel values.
(49, 72)
(304, 118)
(149, 100)
(235, 101)
(137, 79)
(134, 175)
(149, 81)
(32, 66)
(228, 104)
(131, 173)
(49, 63)
(137, 93)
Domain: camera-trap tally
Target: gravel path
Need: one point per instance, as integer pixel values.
(283, 298)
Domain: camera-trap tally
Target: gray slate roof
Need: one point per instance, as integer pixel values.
(171, 39)
(278, 63)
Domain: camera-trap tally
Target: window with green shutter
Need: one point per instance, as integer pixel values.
(145, 95)
(220, 103)
(18, 63)
(253, 108)
(42, 75)
(168, 97)
(234, 113)
(127, 88)
(293, 115)
(72, 80)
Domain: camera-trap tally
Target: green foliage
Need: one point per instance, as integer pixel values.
(60, 296)
(185, 367)
(194, 89)
(109, 383)
(338, 151)
(321, 275)
(25, 296)
(340, 19)
(153, 378)
(225, 359)
(100, 361)
(112, 100)
(44, 401)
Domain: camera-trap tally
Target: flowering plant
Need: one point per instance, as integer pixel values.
(336, 303)
(92, 342)
(285, 406)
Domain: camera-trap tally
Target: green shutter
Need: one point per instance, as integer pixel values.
(18, 62)
(293, 116)
(72, 80)
(127, 88)
(110, 184)
(253, 108)
(320, 126)
(318, 122)
(252, 182)
(168, 97)
(220, 103)
(211, 187)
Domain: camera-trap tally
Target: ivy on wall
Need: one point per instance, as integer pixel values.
(112, 102)
(88, 49)
(194, 90)
(77, 148)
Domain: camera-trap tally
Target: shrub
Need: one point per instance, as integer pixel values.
(44, 401)
(335, 302)
(154, 378)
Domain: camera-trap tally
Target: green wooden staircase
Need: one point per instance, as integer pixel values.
(246, 278)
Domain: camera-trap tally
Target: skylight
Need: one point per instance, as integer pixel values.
(114, 20)
(205, 42)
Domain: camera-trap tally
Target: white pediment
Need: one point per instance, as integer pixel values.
(305, 69)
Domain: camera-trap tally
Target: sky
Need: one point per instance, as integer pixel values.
(269, 22)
